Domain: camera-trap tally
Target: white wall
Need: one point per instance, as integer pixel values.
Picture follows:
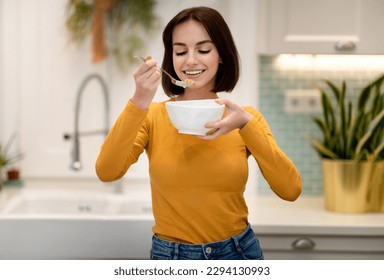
(40, 72)
(1, 77)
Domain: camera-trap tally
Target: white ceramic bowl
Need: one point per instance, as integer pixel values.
(190, 117)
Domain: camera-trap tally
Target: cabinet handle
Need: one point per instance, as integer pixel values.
(345, 46)
(303, 243)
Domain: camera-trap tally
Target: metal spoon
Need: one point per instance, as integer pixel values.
(184, 84)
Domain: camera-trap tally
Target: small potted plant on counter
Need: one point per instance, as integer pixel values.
(352, 148)
(8, 172)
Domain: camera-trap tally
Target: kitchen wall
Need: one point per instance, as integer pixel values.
(41, 71)
(1, 79)
(292, 130)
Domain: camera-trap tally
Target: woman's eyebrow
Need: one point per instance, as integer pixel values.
(197, 44)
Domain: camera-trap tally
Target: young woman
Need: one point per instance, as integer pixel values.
(197, 183)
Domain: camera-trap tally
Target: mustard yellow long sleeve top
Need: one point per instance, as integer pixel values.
(197, 185)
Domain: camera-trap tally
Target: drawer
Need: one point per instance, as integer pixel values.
(322, 243)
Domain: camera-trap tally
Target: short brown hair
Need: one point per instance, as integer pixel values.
(229, 70)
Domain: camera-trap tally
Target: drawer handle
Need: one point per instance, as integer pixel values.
(345, 46)
(303, 244)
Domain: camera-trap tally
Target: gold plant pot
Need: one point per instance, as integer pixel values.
(353, 187)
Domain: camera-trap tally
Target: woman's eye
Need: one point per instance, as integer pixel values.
(181, 53)
(204, 51)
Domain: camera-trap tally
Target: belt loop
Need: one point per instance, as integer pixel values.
(237, 245)
(176, 251)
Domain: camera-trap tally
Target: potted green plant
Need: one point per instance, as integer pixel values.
(118, 28)
(7, 160)
(352, 148)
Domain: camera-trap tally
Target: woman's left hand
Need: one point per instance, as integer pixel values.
(236, 117)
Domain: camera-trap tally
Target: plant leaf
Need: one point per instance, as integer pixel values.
(329, 114)
(342, 115)
(374, 125)
(334, 89)
(376, 153)
(363, 97)
(323, 151)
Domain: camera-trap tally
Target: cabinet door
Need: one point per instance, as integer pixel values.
(299, 247)
(328, 26)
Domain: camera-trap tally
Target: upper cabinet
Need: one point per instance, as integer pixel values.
(321, 27)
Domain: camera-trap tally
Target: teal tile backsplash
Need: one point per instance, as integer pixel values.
(292, 130)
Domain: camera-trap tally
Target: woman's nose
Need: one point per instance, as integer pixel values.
(191, 59)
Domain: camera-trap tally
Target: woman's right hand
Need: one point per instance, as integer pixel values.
(147, 78)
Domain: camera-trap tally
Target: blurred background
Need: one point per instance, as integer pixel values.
(287, 47)
(42, 70)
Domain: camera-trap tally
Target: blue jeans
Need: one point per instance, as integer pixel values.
(243, 246)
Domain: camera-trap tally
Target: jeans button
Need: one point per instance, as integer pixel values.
(208, 250)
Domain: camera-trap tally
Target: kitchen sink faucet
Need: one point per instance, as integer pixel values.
(76, 163)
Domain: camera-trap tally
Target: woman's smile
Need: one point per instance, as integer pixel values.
(193, 74)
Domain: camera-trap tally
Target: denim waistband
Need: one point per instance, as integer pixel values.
(206, 250)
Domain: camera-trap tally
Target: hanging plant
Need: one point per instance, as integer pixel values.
(118, 28)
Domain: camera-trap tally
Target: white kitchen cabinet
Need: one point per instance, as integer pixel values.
(321, 247)
(321, 27)
(303, 229)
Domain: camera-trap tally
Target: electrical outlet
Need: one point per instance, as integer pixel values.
(302, 101)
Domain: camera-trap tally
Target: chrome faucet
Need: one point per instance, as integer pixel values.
(76, 163)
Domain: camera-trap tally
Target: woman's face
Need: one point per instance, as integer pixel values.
(194, 55)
